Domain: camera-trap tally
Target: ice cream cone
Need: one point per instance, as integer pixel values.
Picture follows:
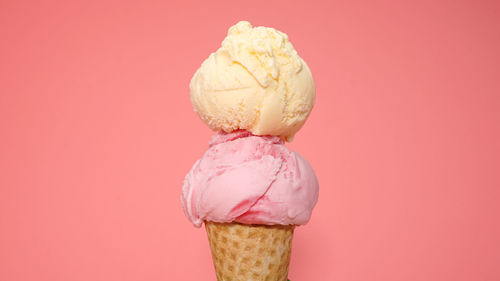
(242, 252)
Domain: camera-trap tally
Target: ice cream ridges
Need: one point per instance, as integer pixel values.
(248, 188)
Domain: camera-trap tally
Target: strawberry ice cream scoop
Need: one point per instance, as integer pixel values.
(249, 179)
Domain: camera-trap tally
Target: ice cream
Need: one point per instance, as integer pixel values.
(248, 189)
(252, 180)
(255, 81)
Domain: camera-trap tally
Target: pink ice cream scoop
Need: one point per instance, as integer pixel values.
(249, 179)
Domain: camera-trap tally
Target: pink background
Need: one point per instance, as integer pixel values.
(97, 133)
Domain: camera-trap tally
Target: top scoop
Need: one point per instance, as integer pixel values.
(255, 81)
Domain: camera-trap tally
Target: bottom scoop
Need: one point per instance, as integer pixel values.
(249, 179)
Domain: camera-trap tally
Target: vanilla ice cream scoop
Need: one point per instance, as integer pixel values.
(256, 82)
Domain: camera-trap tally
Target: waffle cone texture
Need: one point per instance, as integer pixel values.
(242, 252)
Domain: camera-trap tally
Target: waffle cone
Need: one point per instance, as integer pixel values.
(242, 252)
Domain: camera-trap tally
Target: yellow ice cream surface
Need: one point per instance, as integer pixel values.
(255, 81)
